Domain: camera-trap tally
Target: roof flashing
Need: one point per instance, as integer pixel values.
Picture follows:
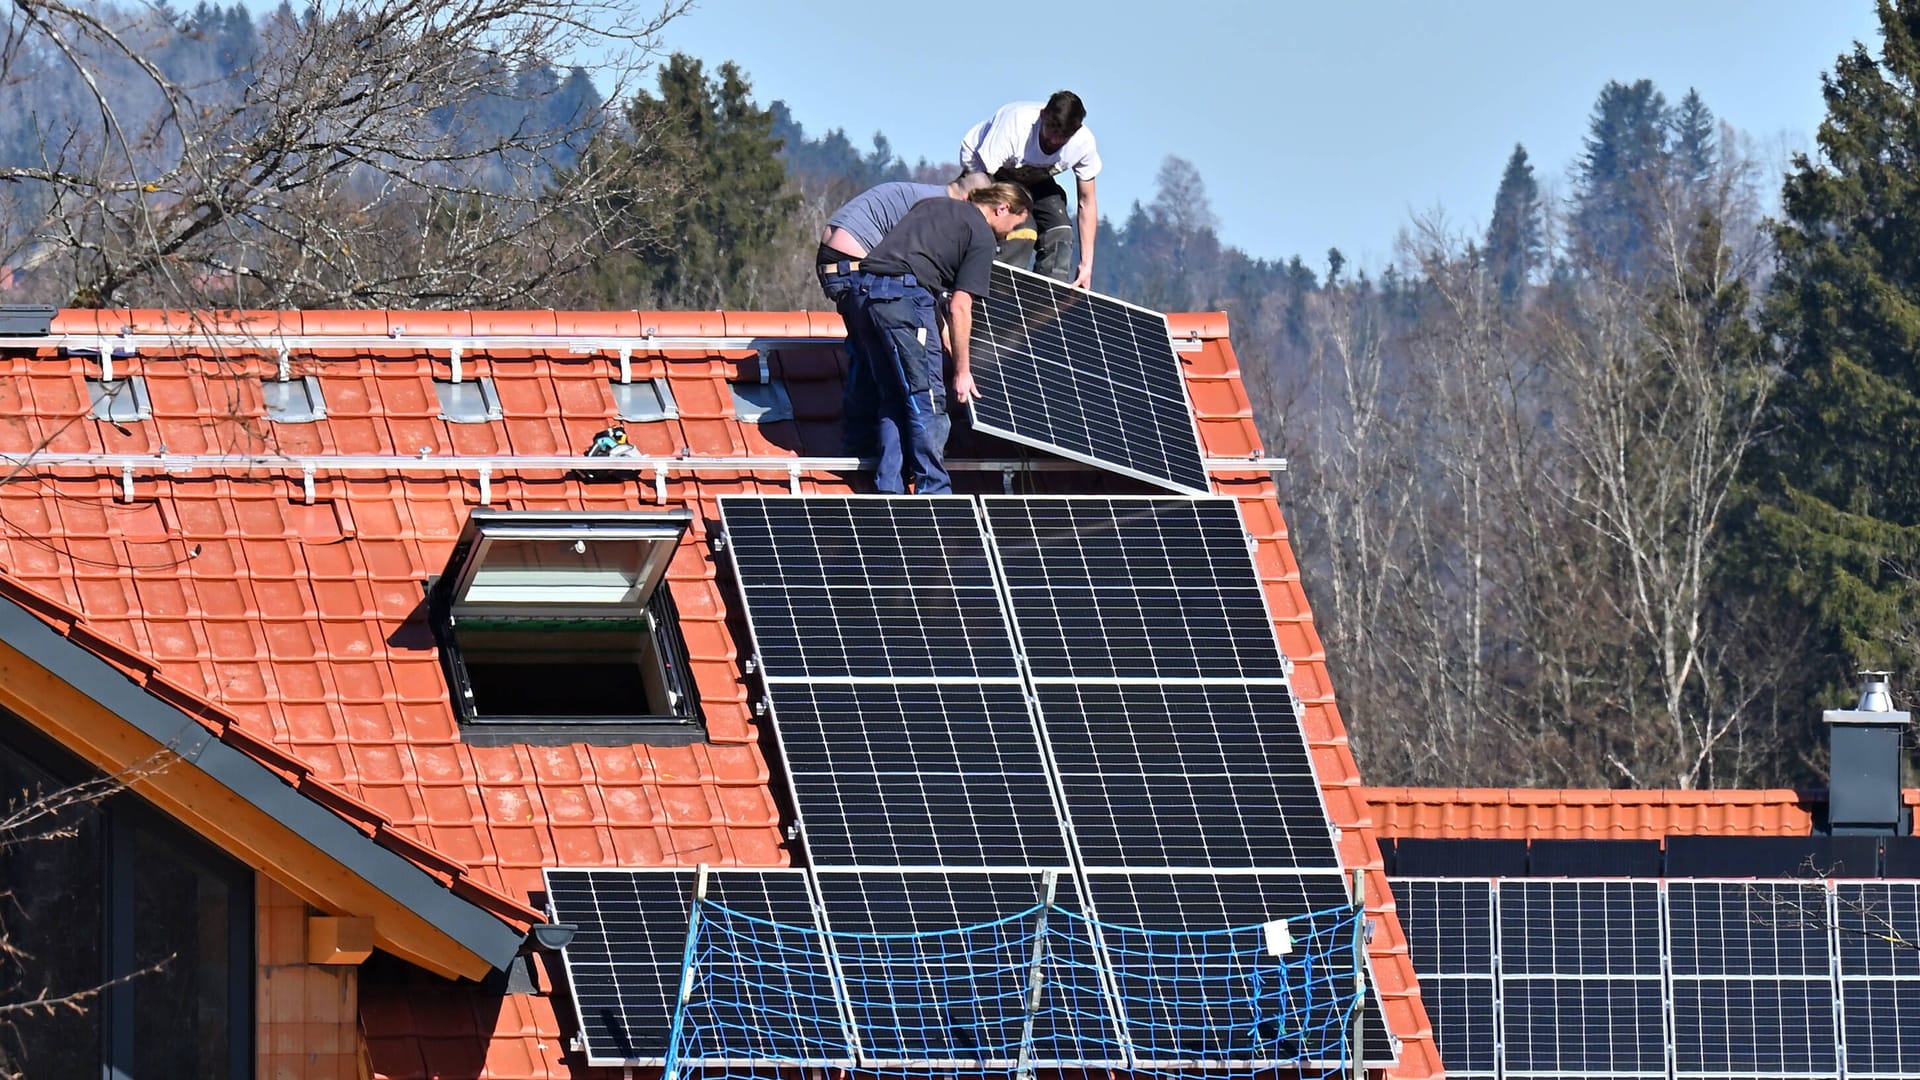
(469, 401)
(761, 402)
(295, 400)
(643, 400)
(119, 401)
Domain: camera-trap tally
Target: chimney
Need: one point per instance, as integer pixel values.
(1868, 761)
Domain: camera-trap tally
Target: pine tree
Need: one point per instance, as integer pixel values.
(740, 216)
(1619, 175)
(1839, 481)
(1696, 150)
(1515, 236)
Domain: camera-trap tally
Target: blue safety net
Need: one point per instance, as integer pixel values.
(1044, 991)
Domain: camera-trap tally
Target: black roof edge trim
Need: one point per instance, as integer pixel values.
(473, 927)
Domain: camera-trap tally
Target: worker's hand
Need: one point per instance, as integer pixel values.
(1083, 279)
(963, 389)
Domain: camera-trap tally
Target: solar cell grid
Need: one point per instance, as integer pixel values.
(1882, 1026)
(1186, 776)
(1583, 1027)
(868, 586)
(1564, 927)
(1748, 928)
(625, 962)
(1085, 376)
(927, 774)
(1209, 1014)
(919, 991)
(1878, 926)
(1464, 1021)
(1746, 1027)
(1133, 588)
(1449, 925)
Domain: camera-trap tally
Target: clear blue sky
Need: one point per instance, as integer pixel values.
(1314, 124)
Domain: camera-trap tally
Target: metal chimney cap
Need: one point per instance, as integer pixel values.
(1876, 704)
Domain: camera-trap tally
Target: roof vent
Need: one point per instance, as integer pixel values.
(1868, 757)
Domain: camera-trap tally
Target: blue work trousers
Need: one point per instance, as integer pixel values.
(906, 373)
(859, 410)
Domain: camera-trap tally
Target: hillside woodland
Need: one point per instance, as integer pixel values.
(1617, 492)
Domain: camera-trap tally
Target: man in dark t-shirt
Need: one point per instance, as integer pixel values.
(941, 247)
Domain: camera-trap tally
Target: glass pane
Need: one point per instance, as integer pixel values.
(50, 868)
(183, 910)
(560, 572)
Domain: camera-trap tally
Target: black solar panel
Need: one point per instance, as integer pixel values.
(1085, 376)
(1133, 588)
(918, 774)
(1213, 1017)
(1580, 927)
(1882, 1026)
(1594, 858)
(873, 586)
(1752, 1027)
(1425, 857)
(919, 991)
(1583, 1027)
(1465, 1023)
(1760, 928)
(1208, 775)
(625, 963)
(1877, 925)
(1449, 925)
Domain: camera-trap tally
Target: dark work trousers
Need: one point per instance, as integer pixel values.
(1051, 249)
(900, 336)
(859, 411)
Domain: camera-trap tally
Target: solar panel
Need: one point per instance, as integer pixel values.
(1133, 588)
(1583, 1027)
(918, 774)
(1877, 945)
(1215, 1017)
(1882, 1026)
(1465, 1022)
(1449, 925)
(1754, 928)
(892, 681)
(1191, 775)
(868, 587)
(1085, 376)
(1749, 1027)
(1556, 927)
(921, 990)
(624, 964)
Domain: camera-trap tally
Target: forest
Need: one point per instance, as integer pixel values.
(1618, 493)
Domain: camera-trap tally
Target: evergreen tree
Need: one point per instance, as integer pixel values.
(739, 219)
(1696, 151)
(1620, 173)
(1839, 480)
(1515, 237)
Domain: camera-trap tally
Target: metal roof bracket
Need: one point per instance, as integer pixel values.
(106, 359)
(306, 483)
(660, 484)
(766, 368)
(285, 364)
(626, 364)
(453, 357)
(126, 483)
(486, 486)
(1006, 480)
(793, 480)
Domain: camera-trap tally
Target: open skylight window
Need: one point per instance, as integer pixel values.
(549, 622)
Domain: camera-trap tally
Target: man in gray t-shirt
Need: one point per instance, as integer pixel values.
(852, 231)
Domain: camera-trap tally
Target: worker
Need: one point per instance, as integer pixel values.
(851, 232)
(1028, 143)
(942, 248)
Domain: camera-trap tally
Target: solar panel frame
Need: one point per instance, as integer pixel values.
(1036, 390)
(613, 992)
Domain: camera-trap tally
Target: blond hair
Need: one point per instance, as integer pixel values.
(1011, 196)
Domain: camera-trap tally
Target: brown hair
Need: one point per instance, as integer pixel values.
(1011, 196)
(1065, 112)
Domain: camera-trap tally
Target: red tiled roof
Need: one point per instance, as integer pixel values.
(293, 624)
(1591, 814)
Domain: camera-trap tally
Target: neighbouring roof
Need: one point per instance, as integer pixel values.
(1591, 814)
(279, 603)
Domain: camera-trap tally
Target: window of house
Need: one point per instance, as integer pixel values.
(554, 626)
(146, 927)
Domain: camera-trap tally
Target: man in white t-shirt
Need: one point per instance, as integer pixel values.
(1029, 143)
